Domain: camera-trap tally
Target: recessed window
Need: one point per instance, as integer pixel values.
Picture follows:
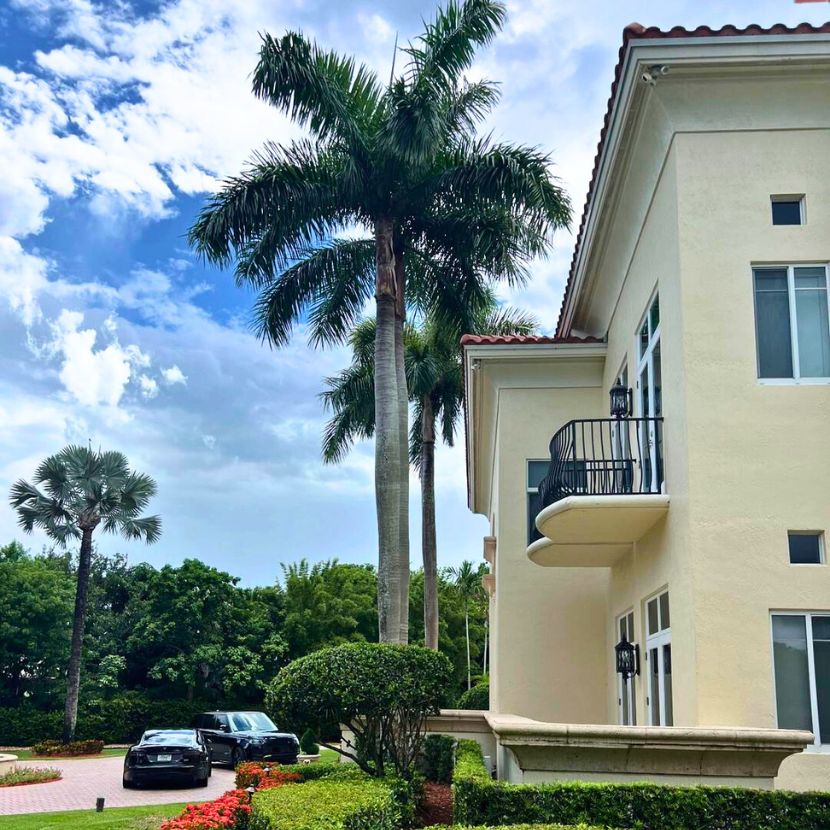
(787, 210)
(536, 471)
(805, 547)
(791, 321)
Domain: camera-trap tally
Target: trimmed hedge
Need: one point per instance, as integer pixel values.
(62, 750)
(334, 804)
(479, 800)
(117, 720)
(437, 759)
(476, 698)
(535, 827)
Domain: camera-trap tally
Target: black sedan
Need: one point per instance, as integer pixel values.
(165, 756)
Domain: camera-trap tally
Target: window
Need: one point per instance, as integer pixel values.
(658, 657)
(806, 547)
(792, 322)
(801, 656)
(625, 689)
(650, 398)
(787, 210)
(536, 471)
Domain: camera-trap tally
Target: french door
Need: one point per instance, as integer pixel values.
(627, 711)
(650, 399)
(658, 659)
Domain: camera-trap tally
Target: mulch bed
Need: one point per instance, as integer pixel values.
(436, 807)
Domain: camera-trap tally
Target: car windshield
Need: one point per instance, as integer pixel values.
(170, 738)
(244, 721)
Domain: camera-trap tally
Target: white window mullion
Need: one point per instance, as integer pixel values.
(793, 322)
(811, 670)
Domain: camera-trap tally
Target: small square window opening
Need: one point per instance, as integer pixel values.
(787, 210)
(806, 547)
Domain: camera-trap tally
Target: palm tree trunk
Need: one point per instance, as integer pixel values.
(467, 631)
(73, 679)
(403, 438)
(428, 540)
(387, 440)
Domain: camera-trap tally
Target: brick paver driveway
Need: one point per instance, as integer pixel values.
(87, 779)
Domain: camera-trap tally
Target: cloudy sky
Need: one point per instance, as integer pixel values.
(116, 119)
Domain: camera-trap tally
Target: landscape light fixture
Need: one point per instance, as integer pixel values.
(628, 658)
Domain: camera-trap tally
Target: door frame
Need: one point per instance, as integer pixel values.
(625, 687)
(657, 641)
(645, 362)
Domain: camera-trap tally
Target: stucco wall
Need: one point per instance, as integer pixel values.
(549, 638)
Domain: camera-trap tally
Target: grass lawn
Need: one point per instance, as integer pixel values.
(328, 756)
(116, 818)
(26, 755)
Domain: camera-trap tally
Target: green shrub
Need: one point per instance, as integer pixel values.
(60, 749)
(29, 775)
(536, 827)
(308, 743)
(24, 725)
(437, 758)
(477, 799)
(382, 692)
(476, 698)
(363, 804)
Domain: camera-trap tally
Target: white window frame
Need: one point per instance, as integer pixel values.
(657, 641)
(796, 379)
(817, 745)
(645, 361)
(626, 687)
(822, 556)
(790, 197)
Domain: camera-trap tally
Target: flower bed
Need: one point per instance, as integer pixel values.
(29, 775)
(228, 811)
(56, 749)
(264, 777)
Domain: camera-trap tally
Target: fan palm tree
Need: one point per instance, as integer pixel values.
(402, 161)
(82, 491)
(467, 580)
(435, 384)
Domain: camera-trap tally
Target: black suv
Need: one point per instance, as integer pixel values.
(233, 737)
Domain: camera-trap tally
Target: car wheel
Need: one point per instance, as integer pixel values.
(201, 782)
(127, 785)
(237, 757)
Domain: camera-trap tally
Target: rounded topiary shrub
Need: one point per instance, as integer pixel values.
(383, 693)
(476, 698)
(308, 743)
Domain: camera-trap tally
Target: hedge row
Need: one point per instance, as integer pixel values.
(327, 804)
(479, 800)
(120, 719)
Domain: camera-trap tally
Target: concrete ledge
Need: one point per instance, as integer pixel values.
(550, 751)
(8, 763)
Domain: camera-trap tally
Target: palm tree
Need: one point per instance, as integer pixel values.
(82, 490)
(434, 381)
(467, 579)
(403, 162)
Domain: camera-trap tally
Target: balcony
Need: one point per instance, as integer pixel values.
(603, 491)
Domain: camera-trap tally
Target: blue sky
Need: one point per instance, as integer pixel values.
(116, 120)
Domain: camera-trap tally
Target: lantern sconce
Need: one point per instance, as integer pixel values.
(621, 401)
(628, 658)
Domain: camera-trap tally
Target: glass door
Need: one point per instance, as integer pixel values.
(627, 712)
(650, 399)
(659, 660)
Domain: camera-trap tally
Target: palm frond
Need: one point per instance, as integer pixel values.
(331, 94)
(147, 528)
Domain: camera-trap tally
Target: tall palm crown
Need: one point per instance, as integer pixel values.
(443, 211)
(82, 489)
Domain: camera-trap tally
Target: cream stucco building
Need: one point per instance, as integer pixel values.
(693, 525)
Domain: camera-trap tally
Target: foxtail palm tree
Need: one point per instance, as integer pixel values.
(401, 161)
(82, 491)
(467, 579)
(434, 381)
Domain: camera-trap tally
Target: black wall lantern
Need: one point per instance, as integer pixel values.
(620, 401)
(628, 658)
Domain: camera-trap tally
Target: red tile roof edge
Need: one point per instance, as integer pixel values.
(636, 31)
(522, 340)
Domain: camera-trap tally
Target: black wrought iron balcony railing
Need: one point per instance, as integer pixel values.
(604, 457)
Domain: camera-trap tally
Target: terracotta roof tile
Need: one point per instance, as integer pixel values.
(522, 340)
(636, 31)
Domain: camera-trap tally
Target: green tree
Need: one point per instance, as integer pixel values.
(434, 377)
(83, 490)
(444, 210)
(467, 580)
(35, 624)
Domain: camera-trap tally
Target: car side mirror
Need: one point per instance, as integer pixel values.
(223, 727)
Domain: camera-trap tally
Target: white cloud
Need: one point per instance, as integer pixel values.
(149, 386)
(173, 375)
